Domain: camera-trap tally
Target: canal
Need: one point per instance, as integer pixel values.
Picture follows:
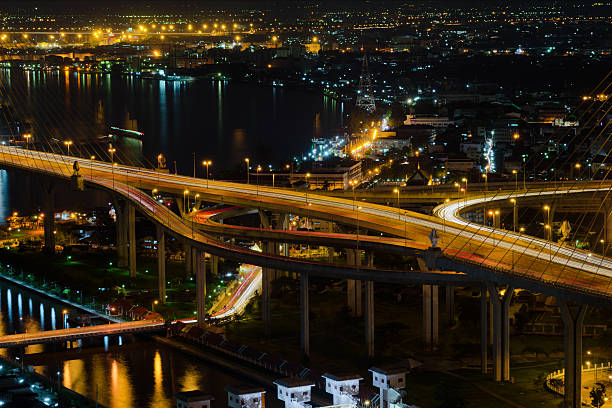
(122, 371)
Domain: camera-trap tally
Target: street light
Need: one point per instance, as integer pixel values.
(396, 190)
(27, 137)
(112, 151)
(485, 176)
(91, 159)
(514, 214)
(153, 305)
(207, 163)
(185, 203)
(258, 170)
(515, 179)
(68, 143)
(248, 167)
(547, 226)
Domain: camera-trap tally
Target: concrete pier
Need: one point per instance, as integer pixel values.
(161, 264)
(484, 320)
(430, 316)
(353, 287)
(501, 330)
(131, 227)
(48, 189)
(369, 317)
(200, 260)
(305, 315)
(450, 304)
(266, 289)
(572, 344)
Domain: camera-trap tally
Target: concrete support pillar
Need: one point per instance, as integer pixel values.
(353, 287)
(200, 259)
(305, 315)
(131, 227)
(572, 344)
(330, 250)
(607, 236)
(161, 264)
(122, 234)
(450, 304)
(369, 317)
(188, 260)
(484, 344)
(430, 316)
(496, 218)
(266, 289)
(49, 219)
(214, 259)
(501, 330)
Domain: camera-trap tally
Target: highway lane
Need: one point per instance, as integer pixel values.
(132, 182)
(494, 249)
(76, 333)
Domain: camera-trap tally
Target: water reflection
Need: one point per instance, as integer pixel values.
(176, 118)
(4, 197)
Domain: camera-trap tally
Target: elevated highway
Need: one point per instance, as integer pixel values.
(53, 336)
(465, 252)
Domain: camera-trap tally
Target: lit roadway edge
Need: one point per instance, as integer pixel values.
(532, 259)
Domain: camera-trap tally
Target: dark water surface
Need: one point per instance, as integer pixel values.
(222, 121)
(123, 371)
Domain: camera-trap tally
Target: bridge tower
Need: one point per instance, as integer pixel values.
(365, 95)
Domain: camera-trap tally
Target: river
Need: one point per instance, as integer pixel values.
(123, 371)
(222, 121)
(218, 120)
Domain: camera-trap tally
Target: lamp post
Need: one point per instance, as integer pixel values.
(68, 143)
(352, 184)
(248, 167)
(258, 170)
(113, 173)
(27, 137)
(357, 254)
(515, 179)
(207, 163)
(153, 305)
(112, 151)
(465, 180)
(514, 214)
(185, 202)
(485, 176)
(91, 159)
(397, 191)
(547, 226)
(577, 166)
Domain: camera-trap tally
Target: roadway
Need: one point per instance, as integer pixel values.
(75, 333)
(506, 255)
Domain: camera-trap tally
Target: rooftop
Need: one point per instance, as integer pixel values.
(291, 382)
(194, 395)
(244, 389)
(342, 377)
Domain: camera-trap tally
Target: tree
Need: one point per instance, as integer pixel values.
(598, 395)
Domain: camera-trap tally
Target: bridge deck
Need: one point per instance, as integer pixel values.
(49, 336)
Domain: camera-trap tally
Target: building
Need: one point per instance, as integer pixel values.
(294, 392)
(331, 174)
(388, 379)
(383, 145)
(193, 399)
(244, 396)
(428, 120)
(344, 388)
